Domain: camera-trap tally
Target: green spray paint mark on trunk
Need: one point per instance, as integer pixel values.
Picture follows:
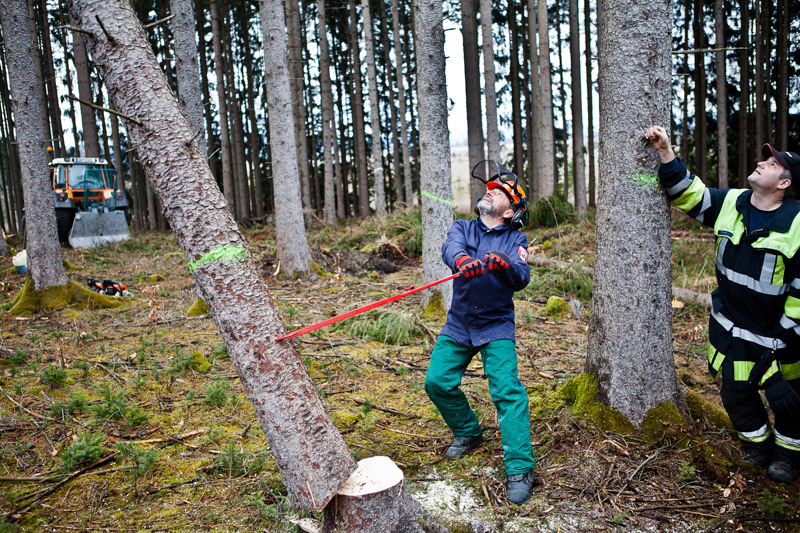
(645, 179)
(229, 252)
(426, 194)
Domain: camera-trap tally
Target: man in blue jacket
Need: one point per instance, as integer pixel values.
(754, 328)
(481, 319)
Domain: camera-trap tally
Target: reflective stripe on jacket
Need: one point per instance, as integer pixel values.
(756, 305)
(482, 309)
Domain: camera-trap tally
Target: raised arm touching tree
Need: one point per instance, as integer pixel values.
(754, 327)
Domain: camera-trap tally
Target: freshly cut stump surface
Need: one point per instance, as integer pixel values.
(373, 499)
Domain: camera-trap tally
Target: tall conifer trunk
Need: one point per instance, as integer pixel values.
(630, 333)
(489, 81)
(374, 111)
(578, 169)
(44, 253)
(435, 177)
(401, 103)
(472, 86)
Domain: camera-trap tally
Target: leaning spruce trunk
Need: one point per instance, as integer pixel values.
(630, 334)
(312, 456)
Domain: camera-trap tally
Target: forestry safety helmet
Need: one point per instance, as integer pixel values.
(495, 175)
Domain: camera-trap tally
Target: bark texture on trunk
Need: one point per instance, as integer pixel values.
(701, 123)
(290, 232)
(630, 333)
(587, 17)
(374, 111)
(782, 76)
(357, 99)
(722, 95)
(296, 81)
(228, 185)
(50, 81)
(311, 455)
(394, 170)
(401, 101)
(489, 81)
(518, 166)
(472, 86)
(434, 138)
(546, 161)
(329, 145)
(187, 69)
(533, 102)
(40, 86)
(44, 253)
(744, 93)
(91, 139)
(578, 169)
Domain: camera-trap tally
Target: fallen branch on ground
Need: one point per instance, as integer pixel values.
(679, 293)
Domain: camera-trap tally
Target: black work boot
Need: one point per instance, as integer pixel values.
(758, 455)
(785, 466)
(462, 445)
(519, 487)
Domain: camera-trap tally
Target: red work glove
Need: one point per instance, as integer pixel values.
(497, 261)
(470, 267)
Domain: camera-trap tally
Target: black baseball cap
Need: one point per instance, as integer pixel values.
(788, 159)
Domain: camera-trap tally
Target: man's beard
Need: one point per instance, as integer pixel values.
(485, 208)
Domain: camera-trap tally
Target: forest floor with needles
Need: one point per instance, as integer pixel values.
(134, 419)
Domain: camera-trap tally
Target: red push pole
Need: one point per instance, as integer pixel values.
(360, 310)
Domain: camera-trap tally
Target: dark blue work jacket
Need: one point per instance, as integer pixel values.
(482, 309)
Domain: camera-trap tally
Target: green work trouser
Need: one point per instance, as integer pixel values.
(443, 381)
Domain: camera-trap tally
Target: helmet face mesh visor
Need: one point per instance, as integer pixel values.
(495, 175)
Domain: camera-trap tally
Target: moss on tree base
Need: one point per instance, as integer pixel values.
(660, 420)
(30, 301)
(435, 309)
(581, 393)
(702, 410)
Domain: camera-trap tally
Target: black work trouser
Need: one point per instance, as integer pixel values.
(747, 412)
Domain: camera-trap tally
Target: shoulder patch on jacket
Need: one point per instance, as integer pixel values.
(523, 254)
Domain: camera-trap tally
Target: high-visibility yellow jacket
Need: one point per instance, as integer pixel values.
(754, 328)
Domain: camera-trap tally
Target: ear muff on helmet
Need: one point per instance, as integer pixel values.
(520, 218)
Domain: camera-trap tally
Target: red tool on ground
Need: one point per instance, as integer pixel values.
(364, 309)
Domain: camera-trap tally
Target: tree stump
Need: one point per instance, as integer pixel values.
(375, 499)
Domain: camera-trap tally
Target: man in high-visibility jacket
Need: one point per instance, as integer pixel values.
(492, 255)
(754, 328)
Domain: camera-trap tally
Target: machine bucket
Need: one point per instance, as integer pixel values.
(96, 228)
